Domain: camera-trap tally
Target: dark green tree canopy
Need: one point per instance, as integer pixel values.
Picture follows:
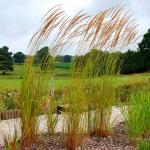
(43, 52)
(6, 62)
(43, 58)
(145, 43)
(67, 58)
(19, 57)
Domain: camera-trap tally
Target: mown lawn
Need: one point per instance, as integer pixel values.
(61, 70)
(16, 74)
(13, 78)
(9, 83)
(15, 83)
(62, 77)
(59, 82)
(125, 79)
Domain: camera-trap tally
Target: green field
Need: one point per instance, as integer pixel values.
(61, 70)
(12, 79)
(62, 77)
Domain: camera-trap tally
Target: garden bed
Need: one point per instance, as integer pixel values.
(117, 141)
(9, 127)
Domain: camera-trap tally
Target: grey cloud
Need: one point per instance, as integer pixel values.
(19, 19)
(18, 22)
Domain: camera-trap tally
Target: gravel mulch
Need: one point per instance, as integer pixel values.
(117, 141)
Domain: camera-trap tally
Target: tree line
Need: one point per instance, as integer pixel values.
(8, 59)
(132, 61)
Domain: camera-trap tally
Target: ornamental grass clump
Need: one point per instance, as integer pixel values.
(108, 30)
(74, 127)
(33, 88)
(138, 115)
(101, 95)
(98, 95)
(101, 99)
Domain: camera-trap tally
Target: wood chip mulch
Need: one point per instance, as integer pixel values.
(117, 141)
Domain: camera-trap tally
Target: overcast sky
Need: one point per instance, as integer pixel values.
(19, 19)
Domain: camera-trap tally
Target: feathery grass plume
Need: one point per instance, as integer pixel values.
(108, 30)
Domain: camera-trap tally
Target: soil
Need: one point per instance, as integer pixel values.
(117, 141)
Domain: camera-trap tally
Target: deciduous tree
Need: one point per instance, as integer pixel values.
(6, 62)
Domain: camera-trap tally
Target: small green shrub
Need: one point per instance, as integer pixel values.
(8, 99)
(2, 106)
